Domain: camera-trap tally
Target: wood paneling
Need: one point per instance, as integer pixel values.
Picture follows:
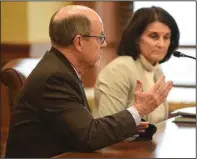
(12, 51)
(8, 52)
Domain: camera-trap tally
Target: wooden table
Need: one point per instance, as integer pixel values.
(170, 141)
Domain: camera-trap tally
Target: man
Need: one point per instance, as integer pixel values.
(51, 115)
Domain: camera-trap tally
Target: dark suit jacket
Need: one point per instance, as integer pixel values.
(51, 115)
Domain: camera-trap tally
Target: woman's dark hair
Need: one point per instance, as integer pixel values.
(138, 23)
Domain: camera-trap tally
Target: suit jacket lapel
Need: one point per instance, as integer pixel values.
(85, 102)
(71, 69)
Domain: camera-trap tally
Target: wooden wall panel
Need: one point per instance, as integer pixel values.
(12, 51)
(8, 52)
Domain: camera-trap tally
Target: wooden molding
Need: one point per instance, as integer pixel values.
(11, 51)
(17, 48)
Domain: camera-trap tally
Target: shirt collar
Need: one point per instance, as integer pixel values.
(76, 71)
(147, 65)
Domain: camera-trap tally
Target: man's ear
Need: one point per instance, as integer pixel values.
(78, 42)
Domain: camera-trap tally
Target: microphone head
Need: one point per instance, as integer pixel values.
(177, 54)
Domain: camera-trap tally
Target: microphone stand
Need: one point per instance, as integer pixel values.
(182, 55)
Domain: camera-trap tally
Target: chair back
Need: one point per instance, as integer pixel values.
(14, 74)
(12, 77)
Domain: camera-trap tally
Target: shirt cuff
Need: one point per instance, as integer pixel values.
(135, 114)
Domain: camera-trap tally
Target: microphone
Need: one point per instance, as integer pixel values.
(179, 54)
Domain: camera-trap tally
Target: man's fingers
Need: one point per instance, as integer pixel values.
(142, 127)
(138, 86)
(169, 85)
(159, 84)
(146, 102)
(167, 89)
(143, 123)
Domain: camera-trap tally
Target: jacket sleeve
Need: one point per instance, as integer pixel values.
(62, 107)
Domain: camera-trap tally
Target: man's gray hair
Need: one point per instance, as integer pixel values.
(62, 32)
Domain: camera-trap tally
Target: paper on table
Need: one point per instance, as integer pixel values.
(181, 119)
(186, 112)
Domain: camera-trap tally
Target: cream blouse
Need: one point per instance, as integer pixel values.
(116, 84)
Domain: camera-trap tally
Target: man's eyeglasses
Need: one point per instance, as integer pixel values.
(100, 37)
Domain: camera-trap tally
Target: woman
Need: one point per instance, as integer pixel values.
(150, 38)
